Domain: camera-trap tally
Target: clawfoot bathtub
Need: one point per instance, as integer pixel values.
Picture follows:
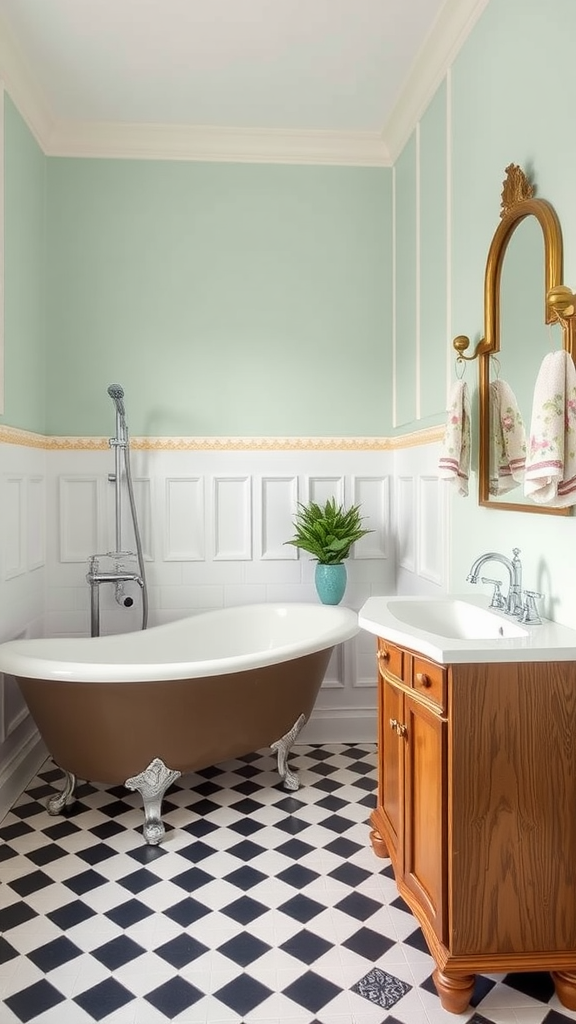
(143, 708)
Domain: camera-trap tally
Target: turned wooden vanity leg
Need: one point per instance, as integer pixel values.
(454, 990)
(565, 984)
(378, 843)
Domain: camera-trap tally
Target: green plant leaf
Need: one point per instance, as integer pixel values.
(328, 532)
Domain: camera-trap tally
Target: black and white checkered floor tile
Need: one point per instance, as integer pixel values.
(259, 906)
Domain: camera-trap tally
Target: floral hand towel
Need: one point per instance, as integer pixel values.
(454, 463)
(550, 477)
(507, 453)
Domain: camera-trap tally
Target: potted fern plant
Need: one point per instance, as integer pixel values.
(327, 533)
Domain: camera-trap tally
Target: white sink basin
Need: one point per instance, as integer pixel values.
(455, 618)
(453, 629)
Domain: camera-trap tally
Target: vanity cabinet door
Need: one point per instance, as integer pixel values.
(391, 768)
(425, 810)
(411, 812)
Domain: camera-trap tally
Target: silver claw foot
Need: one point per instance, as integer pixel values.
(152, 783)
(56, 804)
(284, 746)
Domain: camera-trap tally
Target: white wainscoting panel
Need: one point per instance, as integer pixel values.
(405, 523)
(335, 677)
(232, 518)
(431, 525)
(373, 495)
(14, 708)
(214, 525)
(278, 497)
(36, 516)
(80, 518)
(364, 671)
(13, 526)
(23, 605)
(184, 533)
(321, 489)
(142, 487)
(421, 526)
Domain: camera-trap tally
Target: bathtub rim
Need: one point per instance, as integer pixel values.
(99, 659)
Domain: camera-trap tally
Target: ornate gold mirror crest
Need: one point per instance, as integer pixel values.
(559, 307)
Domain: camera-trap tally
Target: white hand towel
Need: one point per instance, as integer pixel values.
(454, 463)
(507, 453)
(550, 477)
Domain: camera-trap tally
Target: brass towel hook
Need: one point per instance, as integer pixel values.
(461, 343)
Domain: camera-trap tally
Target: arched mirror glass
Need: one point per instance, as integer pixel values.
(528, 313)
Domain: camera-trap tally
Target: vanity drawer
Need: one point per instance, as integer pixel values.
(390, 659)
(429, 679)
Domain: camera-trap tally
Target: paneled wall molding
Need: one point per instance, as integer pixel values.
(81, 517)
(449, 33)
(14, 532)
(17, 769)
(14, 709)
(232, 518)
(185, 520)
(341, 725)
(278, 496)
(28, 439)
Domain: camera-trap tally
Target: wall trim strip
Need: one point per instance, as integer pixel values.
(14, 435)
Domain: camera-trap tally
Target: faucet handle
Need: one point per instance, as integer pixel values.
(529, 613)
(498, 599)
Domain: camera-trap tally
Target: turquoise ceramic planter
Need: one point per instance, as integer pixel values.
(330, 582)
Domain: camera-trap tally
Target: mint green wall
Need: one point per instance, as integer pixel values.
(241, 299)
(507, 99)
(405, 283)
(433, 236)
(228, 299)
(24, 276)
(512, 91)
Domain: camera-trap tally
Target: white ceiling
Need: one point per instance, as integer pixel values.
(291, 66)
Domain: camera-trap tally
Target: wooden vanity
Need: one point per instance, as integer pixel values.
(477, 810)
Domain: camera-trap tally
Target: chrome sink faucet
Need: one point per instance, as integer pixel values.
(514, 567)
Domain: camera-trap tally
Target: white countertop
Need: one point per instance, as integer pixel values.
(547, 642)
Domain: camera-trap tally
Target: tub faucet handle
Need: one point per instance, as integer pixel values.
(498, 599)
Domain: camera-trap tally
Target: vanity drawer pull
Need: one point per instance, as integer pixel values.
(390, 659)
(429, 678)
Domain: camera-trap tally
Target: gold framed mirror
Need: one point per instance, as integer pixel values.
(513, 294)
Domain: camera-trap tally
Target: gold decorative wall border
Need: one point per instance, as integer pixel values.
(13, 435)
(25, 438)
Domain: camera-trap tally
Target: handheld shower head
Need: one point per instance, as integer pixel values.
(116, 393)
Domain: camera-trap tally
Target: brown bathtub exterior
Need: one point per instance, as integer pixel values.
(108, 732)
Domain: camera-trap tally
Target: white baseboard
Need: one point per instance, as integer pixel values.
(331, 725)
(19, 769)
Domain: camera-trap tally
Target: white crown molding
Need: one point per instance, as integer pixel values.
(20, 85)
(207, 143)
(235, 145)
(446, 38)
